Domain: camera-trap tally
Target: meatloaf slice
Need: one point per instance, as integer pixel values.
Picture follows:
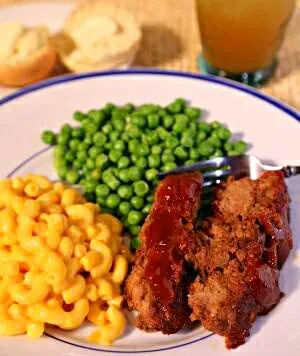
(242, 247)
(158, 284)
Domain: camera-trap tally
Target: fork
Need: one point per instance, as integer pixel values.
(237, 166)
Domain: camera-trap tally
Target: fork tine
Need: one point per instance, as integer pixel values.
(216, 174)
(211, 163)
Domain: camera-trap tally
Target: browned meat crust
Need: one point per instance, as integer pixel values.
(242, 247)
(157, 286)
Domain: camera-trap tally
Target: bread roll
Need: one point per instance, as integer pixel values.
(98, 36)
(26, 54)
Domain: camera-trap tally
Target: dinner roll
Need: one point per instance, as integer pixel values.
(26, 54)
(98, 35)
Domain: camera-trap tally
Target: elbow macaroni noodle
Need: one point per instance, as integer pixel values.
(61, 261)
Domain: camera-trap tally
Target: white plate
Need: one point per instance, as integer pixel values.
(46, 13)
(271, 128)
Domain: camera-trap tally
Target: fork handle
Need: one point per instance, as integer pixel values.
(290, 171)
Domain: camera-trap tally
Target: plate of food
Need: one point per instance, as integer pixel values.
(99, 255)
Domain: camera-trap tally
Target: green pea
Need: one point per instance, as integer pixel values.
(167, 121)
(99, 139)
(174, 108)
(120, 145)
(124, 175)
(77, 164)
(134, 230)
(206, 149)
(240, 147)
(101, 201)
(90, 163)
(171, 142)
(115, 155)
(137, 202)
(119, 125)
(217, 153)
(163, 133)
(109, 108)
(129, 107)
(133, 145)
(153, 138)
(135, 243)
(154, 161)
(192, 113)
(77, 132)
(94, 151)
(148, 109)
(214, 140)
(156, 149)
(70, 156)
(62, 172)
(108, 146)
(107, 175)
(216, 125)
(83, 146)
(204, 126)
(141, 188)
(62, 139)
(82, 156)
(151, 174)
(178, 127)
(107, 128)
(180, 152)
(88, 139)
(90, 127)
(153, 121)
(134, 217)
(142, 162)
(167, 157)
(189, 162)
(73, 144)
(169, 166)
(142, 150)
(134, 131)
(102, 190)
(124, 208)
(201, 136)
(113, 183)
(59, 150)
(101, 161)
(194, 154)
(123, 162)
(125, 191)
(90, 185)
(112, 201)
(223, 133)
(187, 141)
(96, 174)
(78, 116)
(48, 137)
(146, 209)
(72, 177)
(139, 120)
(114, 135)
(135, 173)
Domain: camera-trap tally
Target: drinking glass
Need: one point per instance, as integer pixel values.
(241, 38)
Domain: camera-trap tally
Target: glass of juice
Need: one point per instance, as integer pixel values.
(241, 38)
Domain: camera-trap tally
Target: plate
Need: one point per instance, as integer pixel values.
(31, 14)
(271, 127)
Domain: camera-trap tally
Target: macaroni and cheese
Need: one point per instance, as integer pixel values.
(61, 261)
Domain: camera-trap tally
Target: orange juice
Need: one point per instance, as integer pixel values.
(242, 35)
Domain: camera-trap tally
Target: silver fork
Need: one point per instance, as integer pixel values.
(237, 166)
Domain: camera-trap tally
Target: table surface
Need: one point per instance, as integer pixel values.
(171, 41)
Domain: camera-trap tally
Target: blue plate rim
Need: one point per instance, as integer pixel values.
(167, 73)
